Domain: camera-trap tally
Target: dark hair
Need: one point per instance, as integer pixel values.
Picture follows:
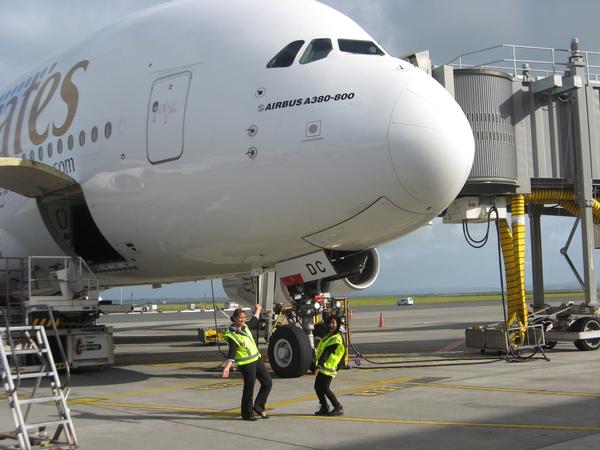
(338, 321)
(236, 313)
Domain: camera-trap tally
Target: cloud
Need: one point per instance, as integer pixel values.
(34, 29)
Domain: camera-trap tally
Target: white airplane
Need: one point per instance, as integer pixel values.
(205, 139)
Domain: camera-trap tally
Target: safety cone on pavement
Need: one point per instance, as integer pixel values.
(381, 323)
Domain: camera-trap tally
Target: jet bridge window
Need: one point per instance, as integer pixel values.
(359, 47)
(317, 49)
(286, 56)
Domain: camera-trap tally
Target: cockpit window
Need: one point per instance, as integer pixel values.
(317, 49)
(359, 47)
(286, 56)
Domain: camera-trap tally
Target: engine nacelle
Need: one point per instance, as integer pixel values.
(368, 261)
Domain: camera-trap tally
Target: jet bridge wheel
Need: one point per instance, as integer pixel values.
(290, 353)
(586, 324)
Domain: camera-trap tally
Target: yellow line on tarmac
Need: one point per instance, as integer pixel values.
(150, 390)
(157, 407)
(360, 380)
(214, 412)
(445, 423)
(501, 389)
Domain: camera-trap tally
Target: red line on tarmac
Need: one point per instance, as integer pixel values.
(451, 346)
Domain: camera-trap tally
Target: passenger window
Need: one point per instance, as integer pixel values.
(317, 49)
(359, 47)
(286, 56)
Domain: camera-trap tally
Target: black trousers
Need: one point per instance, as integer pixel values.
(322, 383)
(251, 372)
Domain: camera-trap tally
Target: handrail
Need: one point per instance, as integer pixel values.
(89, 283)
(14, 357)
(513, 57)
(60, 347)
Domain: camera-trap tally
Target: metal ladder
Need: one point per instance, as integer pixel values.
(25, 354)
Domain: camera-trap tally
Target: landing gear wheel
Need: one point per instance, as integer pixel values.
(289, 352)
(586, 324)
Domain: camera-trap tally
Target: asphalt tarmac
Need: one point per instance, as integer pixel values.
(417, 386)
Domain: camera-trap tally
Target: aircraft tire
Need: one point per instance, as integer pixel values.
(586, 324)
(290, 353)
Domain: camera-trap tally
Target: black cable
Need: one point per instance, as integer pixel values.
(215, 317)
(501, 272)
(513, 355)
(257, 288)
(477, 243)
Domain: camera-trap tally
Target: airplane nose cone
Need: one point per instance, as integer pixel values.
(431, 146)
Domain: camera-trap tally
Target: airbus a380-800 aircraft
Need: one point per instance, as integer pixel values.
(203, 139)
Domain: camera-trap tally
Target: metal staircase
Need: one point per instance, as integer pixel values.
(27, 364)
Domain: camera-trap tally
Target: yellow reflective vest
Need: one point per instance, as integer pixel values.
(329, 366)
(247, 351)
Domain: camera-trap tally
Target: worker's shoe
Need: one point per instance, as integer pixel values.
(251, 418)
(323, 411)
(261, 413)
(337, 411)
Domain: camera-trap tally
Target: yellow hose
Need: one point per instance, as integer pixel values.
(573, 209)
(512, 287)
(568, 198)
(513, 252)
(519, 304)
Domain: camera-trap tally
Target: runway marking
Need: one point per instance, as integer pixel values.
(211, 387)
(448, 423)
(382, 386)
(195, 385)
(501, 389)
(378, 391)
(227, 413)
(451, 346)
(359, 380)
(154, 407)
(339, 391)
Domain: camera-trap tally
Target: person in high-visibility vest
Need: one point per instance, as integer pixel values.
(244, 352)
(330, 352)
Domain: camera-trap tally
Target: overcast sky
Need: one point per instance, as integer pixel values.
(437, 257)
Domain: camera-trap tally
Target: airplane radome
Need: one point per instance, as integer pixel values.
(203, 139)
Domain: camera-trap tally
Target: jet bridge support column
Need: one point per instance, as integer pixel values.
(583, 186)
(537, 265)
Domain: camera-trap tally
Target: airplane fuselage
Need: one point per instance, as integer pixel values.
(196, 160)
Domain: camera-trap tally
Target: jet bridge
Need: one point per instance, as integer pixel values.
(535, 115)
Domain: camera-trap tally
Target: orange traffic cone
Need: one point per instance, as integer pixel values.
(381, 323)
(350, 315)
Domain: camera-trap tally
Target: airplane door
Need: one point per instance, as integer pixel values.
(166, 117)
